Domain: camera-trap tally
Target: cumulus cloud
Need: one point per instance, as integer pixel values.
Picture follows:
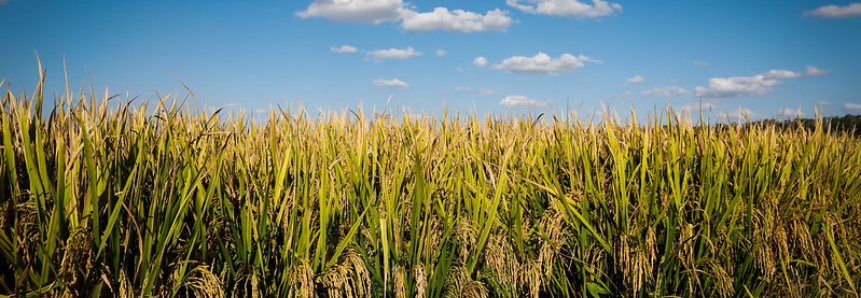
(344, 49)
(520, 100)
(566, 8)
(834, 11)
(852, 106)
(635, 79)
(757, 85)
(393, 83)
(666, 91)
(737, 86)
(440, 52)
(457, 20)
(366, 11)
(542, 64)
(480, 61)
(379, 11)
(393, 53)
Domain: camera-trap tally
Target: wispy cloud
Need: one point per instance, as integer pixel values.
(635, 79)
(484, 92)
(787, 112)
(542, 64)
(852, 106)
(695, 107)
(813, 71)
(757, 85)
(393, 83)
(520, 100)
(700, 63)
(440, 52)
(666, 91)
(834, 11)
(344, 49)
(393, 53)
(743, 113)
(566, 8)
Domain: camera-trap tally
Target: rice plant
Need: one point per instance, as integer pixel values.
(103, 199)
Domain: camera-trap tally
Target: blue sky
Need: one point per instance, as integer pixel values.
(756, 56)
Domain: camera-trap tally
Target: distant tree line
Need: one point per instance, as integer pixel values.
(849, 123)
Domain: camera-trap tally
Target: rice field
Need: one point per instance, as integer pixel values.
(101, 199)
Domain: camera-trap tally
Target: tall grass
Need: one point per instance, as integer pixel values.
(164, 201)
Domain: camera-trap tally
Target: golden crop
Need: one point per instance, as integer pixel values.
(157, 201)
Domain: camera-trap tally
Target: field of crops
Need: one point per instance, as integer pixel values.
(163, 200)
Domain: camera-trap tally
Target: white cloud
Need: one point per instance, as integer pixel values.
(457, 20)
(379, 11)
(852, 106)
(440, 52)
(775, 74)
(392, 53)
(344, 49)
(738, 86)
(666, 91)
(566, 8)
(520, 100)
(787, 112)
(464, 89)
(635, 79)
(459, 69)
(367, 11)
(542, 64)
(393, 83)
(480, 61)
(825, 103)
(834, 11)
(813, 71)
(700, 63)
(757, 85)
